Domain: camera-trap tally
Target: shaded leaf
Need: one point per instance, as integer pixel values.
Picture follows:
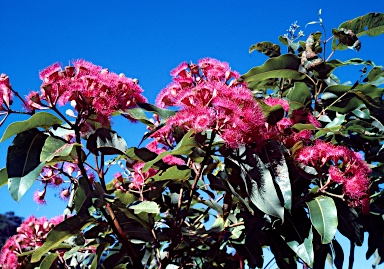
(107, 142)
(338, 254)
(184, 147)
(48, 260)
(164, 113)
(299, 96)
(23, 161)
(323, 214)
(41, 119)
(349, 223)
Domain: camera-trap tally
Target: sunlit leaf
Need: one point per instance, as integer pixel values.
(54, 147)
(268, 48)
(174, 173)
(323, 214)
(305, 250)
(42, 119)
(3, 176)
(299, 96)
(145, 206)
(64, 230)
(48, 260)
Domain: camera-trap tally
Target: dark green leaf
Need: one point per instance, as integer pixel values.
(323, 213)
(42, 120)
(304, 250)
(23, 161)
(283, 40)
(279, 170)
(82, 191)
(48, 260)
(64, 230)
(349, 223)
(184, 147)
(299, 96)
(371, 24)
(338, 254)
(375, 76)
(268, 48)
(284, 66)
(107, 142)
(3, 176)
(285, 257)
(164, 113)
(275, 114)
(257, 177)
(174, 173)
(99, 252)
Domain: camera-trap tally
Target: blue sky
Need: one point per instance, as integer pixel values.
(146, 39)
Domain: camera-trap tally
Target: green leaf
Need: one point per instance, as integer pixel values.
(82, 191)
(371, 24)
(268, 48)
(274, 114)
(284, 66)
(184, 147)
(163, 113)
(218, 225)
(280, 172)
(259, 182)
(323, 214)
(299, 96)
(375, 76)
(48, 260)
(3, 176)
(54, 147)
(145, 206)
(107, 142)
(304, 250)
(125, 197)
(64, 230)
(174, 173)
(349, 223)
(338, 254)
(138, 114)
(18, 186)
(99, 252)
(42, 120)
(283, 40)
(23, 161)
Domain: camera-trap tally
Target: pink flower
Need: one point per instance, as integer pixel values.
(64, 194)
(39, 197)
(5, 91)
(277, 101)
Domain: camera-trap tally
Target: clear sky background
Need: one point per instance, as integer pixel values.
(146, 40)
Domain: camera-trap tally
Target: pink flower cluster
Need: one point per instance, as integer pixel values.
(211, 97)
(283, 129)
(5, 92)
(92, 90)
(30, 235)
(346, 167)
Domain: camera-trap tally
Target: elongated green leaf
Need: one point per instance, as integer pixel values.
(107, 142)
(174, 173)
(17, 186)
(138, 114)
(54, 147)
(304, 250)
(375, 76)
(280, 172)
(284, 66)
(268, 48)
(299, 96)
(338, 259)
(48, 260)
(164, 113)
(145, 206)
(218, 225)
(23, 161)
(323, 214)
(371, 24)
(349, 223)
(261, 190)
(184, 147)
(3, 176)
(64, 230)
(42, 120)
(99, 252)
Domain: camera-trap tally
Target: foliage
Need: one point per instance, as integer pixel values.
(282, 156)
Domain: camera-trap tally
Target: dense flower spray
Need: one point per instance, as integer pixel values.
(210, 97)
(94, 92)
(345, 167)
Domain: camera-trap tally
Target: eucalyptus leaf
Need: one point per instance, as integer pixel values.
(323, 214)
(305, 250)
(42, 119)
(3, 176)
(48, 260)
(145, 206)
(107, 142)
(299, 96)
